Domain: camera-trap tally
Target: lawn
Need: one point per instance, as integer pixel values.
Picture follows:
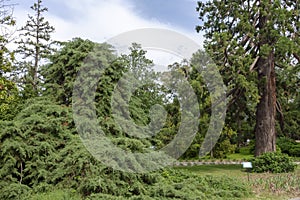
(265, 186)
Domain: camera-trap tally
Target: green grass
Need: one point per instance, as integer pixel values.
(239, 156)
(265, 186)
(243, 154)
(229, 170)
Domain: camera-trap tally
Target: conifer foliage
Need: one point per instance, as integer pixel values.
(41, 151)
(260, 36)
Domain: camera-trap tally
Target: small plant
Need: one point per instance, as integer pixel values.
(274, 162)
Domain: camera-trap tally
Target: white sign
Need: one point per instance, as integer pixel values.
(247, 165)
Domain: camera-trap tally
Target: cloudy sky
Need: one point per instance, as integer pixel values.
(99, 20)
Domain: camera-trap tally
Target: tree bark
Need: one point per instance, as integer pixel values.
(265, 136)
(266, 110)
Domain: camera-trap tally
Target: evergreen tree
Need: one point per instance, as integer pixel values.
(60, 74)
(34, 46)
(247, 36)
(30, 145)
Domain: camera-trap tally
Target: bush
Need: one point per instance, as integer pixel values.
(224, 146)
(274, 162)
(285, 144)
(288, 146)
(295, 150)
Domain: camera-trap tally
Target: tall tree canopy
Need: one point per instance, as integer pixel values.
(258, 37)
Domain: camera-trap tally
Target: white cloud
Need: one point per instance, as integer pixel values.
(99, 20)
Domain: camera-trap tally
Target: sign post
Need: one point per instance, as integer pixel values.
(248, 167)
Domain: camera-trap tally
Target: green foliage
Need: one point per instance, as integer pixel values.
(288, 102)
(63, 69)
(41, 150)
(285, 144)
(8, 89)
(239, 40)
(175, 184)
(289, 146)
(13, 191)
(295, 151)
(55, 195)
(273, 162)
(30, 143)
(224, 145)
(8, 98)
(178, 185)
(43, 157)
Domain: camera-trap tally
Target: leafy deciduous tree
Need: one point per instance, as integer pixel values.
(8, 90)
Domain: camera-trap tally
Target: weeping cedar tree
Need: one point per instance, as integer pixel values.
(260, 34)
(34, 46)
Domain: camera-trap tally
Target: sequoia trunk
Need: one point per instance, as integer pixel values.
(266, 110)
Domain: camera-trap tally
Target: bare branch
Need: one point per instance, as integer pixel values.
(297, 57)
(254, 64)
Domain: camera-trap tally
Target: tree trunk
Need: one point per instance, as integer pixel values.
(266, 110)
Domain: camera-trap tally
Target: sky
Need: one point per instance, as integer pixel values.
(99, 20)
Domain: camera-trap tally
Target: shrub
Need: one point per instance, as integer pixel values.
(274, 162)
(288, 146)
(295, 150)
(222, 149)
(285, 144)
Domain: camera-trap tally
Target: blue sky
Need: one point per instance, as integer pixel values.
(100, 20)
(177, 15)
(178, 12)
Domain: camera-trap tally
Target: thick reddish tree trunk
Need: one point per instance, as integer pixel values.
(265, 136)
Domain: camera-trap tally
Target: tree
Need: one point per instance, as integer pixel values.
(34, 46)
(8, 90)
(60, 74)
(288, 84)
(243, 36)
(30, 145)
(137, 88)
